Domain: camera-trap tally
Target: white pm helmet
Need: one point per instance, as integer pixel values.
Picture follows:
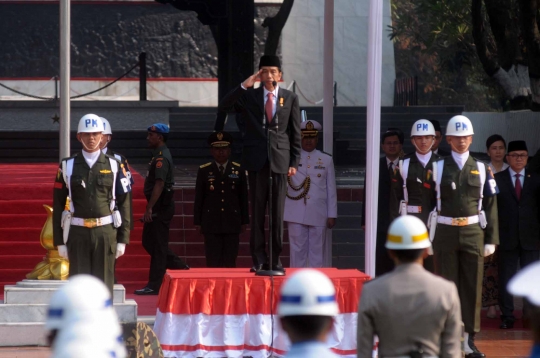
(459, 126)
(82, 295)
(407, 233)
(90, 123)
(308, 292)
(106, 126)
(422, 127)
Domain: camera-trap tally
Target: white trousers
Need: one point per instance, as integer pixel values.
(311, 246)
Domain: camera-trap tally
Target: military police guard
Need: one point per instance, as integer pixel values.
(311, 204)
(94, 228)
(221, 203)
(464, 226)
(412, 185)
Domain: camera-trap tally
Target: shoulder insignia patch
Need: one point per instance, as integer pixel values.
(159, 164)
(205, 165)
(235, 163)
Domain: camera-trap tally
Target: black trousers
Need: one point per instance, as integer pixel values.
(508, 267)
(221, 250)
(259, 185)
(383, 262)
(155, 240)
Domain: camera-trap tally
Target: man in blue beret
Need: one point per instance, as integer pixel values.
(158, 189)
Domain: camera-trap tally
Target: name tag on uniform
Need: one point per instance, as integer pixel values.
(318, 167)
(234, 176)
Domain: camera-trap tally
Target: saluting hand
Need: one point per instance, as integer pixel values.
(250, 81)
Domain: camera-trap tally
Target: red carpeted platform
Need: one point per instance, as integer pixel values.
(24, 189)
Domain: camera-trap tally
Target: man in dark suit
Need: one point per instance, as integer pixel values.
(267, 111)
(221, 203)
(438, 139)
(391, 144)
(519, 223)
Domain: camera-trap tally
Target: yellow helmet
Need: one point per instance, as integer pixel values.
(407, 233)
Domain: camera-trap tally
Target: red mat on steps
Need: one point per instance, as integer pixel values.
(24, 188)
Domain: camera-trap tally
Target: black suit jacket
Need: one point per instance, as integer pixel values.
(383, 210)
(285, 139)
(519, 221)
(221, 201)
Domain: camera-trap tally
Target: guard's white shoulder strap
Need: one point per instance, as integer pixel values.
(117, 156)
(67, 170)
(437, 176)
(404, 171)
(482, 170)
(114, 169)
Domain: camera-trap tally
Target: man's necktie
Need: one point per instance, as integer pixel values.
(269, 106)
(391, 168)
(221, 169)
(518, 186)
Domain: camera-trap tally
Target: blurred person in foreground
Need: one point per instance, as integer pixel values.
(81, 321)
(525, 284)
(413, 312)
(307, 308)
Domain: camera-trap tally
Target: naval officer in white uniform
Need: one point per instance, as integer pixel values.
(311, 203)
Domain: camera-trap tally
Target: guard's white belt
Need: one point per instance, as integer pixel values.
(414, 209)
(92, 222)
(464, 221)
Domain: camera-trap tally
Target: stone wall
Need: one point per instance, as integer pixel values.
(107, 39)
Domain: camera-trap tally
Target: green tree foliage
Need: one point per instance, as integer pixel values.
(433, 40)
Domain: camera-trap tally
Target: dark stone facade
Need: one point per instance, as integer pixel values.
(107, 38)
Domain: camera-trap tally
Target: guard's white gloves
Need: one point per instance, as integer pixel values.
(120, 249)
(63, 251)
(489, 249)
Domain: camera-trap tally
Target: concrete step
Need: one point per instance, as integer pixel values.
(349, 209)
(37, 312)
(37, 291)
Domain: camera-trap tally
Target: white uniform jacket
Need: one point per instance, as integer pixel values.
(321, 200)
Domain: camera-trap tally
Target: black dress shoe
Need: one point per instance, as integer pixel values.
(507, 324)
(278, 267)
(256, 268)
(146, 291)
(475, 352)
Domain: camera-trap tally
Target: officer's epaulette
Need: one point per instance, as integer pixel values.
(205, 165)
(235, 163)
(322, 151)
(112, 157)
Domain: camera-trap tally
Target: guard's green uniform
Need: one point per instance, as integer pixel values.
(420, 185)
(459, 250)
(155, 238)
(92, 250)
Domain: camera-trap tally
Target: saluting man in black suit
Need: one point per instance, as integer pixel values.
(221, 203)
(267, 109)
(391, 145)
(519, 223)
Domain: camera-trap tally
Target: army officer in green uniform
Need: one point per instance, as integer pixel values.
(93, 230)
(466, 224)
(221, 203)
(412, 185)
(158, 190)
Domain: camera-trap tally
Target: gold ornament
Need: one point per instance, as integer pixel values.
(53, 266)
